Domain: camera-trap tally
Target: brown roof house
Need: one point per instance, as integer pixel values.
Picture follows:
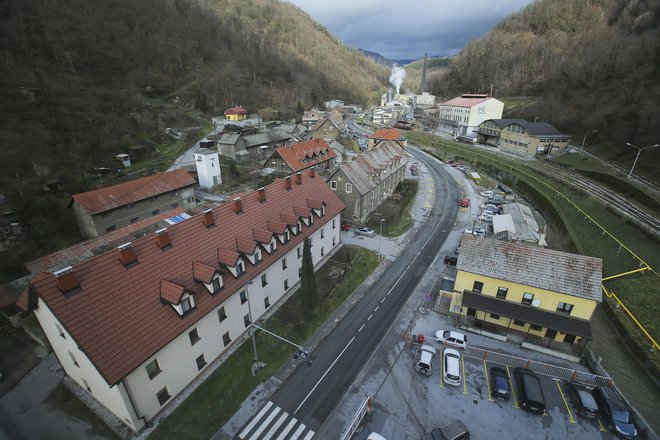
(315, 154)
(387, 134)
(136, 324)
(327, 129)
(367, 181)
(106, 209)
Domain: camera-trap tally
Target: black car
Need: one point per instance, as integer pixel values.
(455, 430)
(505, 189)
(615, 412)
(452, 258)
(531, 393)
(499, 383)
(583, 399)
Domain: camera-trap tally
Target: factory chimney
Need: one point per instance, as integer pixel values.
(422, 83)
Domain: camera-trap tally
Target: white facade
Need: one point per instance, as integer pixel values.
(208, 168)
(464, 118)
(425, 100)
(134, 399)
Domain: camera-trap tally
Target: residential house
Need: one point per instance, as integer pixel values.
(253, 142)
(462, 115)
(312, 117)
(136, 324)
(236, 114)
(522, 137)
(541, 293)
(367, 181)
(387, 135)
(336, 114)
(326, 129)
(294, 158)
(333, 103)
(103, 210)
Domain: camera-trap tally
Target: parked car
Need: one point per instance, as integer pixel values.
(450, 337)
(497, 200)
(367, 232)
(375, 436)
(583, 399)
(615, 412)
(479, 232)
(452, 259)
(505, 189)
(345, 226)
(451, 366)
(455, 430)
(531, 393)
(464, 203)
(425, 362)
(486, 216)
(487, 193)
(499, 383)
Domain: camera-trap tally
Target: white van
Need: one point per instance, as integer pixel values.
(451, 366)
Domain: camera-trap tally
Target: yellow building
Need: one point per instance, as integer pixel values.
(236, 114)
(540, 292)
(521, 137)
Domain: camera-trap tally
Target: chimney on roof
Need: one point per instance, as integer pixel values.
(208, 218)
(287, 182)
(298, 178)
(261, 194)
(163, 238)
(127, 254)
(238, 206)
(66, 279)
(312, 172)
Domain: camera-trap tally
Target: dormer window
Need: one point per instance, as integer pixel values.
(177, 296)
(216, 283)
(187, 303)
(240, 268)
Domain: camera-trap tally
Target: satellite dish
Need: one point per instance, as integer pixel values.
(536, 303)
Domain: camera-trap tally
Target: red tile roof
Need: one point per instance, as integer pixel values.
(467, 100)
(294, 154)
(118, 318)
(171, 292)
(110, 197)
(236, 111)
(203, 272)
(388, 134)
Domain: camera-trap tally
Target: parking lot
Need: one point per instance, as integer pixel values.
(409, 404)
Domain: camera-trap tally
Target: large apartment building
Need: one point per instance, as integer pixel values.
(136, 324)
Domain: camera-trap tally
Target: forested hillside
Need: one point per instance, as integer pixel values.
(84, 80)
(594, 64)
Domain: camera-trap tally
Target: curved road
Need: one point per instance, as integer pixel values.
(311, 394)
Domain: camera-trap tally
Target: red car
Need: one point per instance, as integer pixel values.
(345, 226)
(465, 203)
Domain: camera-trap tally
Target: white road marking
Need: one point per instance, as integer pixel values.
(324, 374)
(255, 420)
(276, 426)
(376, 309)
(263, 427)
(361, 328)
(288, 428)
(369, 317)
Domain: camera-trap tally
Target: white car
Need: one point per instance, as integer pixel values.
(479, 232)
(451, 337)
(451, 366)
(367, 232)
(487, 216)
(487, 193)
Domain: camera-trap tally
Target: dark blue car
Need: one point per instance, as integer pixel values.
(499, 383)
(615, 412)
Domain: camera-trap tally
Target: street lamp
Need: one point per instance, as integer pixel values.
(584, 139)
(639, 150)
(254, 341)
(380, 236)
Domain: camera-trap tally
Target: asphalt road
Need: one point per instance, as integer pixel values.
(311, 394)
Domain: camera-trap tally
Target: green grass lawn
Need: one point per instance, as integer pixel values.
(207, 409)
(395, 210)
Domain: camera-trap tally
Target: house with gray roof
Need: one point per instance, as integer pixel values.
(522, 137)
(364, 183)
(547, 296)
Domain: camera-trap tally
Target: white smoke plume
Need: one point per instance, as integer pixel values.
(396, 78)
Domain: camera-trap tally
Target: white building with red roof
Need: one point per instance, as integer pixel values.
(462, 115)
(293, 158)
(134, 325)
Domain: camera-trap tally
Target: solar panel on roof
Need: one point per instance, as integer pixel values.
(177, 218)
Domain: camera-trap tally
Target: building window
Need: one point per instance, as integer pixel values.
(216, 284)
(194, 337)
(135, 220)
(155, 212)
(299, 253)
(264, 281)
(186, 304)
(333, 185)
(334, 223)
(286, 284)
(87, 386)
(73, 359)
(266, 302)
(349, 188)
(201, 362)
(535, 327)
(163, 396)
(243, 297)
(110, 228)
(221, 314)
(322, 233)
(477, 286)
(226, 339)
(565, 308)
(239, 269)
(174, 205)
(334, 241)
(527, 298)
(322, 251)
(284, 266)
(61, 332)
(130, 206)
(494, 316)
(153, 369)
(272, 248)
(246, 320)
(501, 292)
(519, 323)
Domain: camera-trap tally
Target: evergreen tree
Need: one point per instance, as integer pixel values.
(308, 292)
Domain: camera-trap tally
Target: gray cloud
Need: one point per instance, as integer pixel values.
(407, 30)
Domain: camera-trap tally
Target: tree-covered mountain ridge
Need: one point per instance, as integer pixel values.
(593, 64)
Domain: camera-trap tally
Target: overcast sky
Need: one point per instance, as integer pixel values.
(408, 29)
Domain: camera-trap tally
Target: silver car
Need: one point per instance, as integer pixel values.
(367, 232)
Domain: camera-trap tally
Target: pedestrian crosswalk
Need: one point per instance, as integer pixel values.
(273, 423)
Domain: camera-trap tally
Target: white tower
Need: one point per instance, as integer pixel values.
(208, 168)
